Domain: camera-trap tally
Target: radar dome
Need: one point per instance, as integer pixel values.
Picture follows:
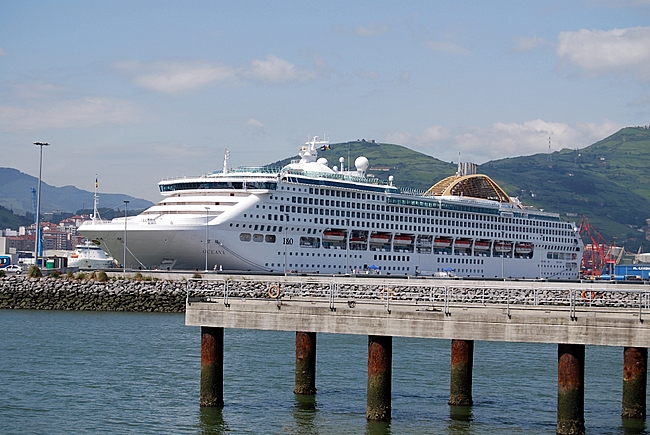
(322, 161)
(361, 163)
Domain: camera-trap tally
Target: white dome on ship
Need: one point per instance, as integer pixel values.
(322, 161)
(361, 163)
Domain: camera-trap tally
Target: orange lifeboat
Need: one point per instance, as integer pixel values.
(481, 245)
(402, 239)
(442, 242)
(379, 239)
(523, 248)
(333, 236)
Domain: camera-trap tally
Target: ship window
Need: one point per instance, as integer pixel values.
(245, 237)
(258, 237)
(269, 238)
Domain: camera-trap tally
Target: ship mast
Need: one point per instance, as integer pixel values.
(96, 215)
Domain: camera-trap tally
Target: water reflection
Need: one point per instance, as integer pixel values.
(460, 420)
(633, 426)
(211, 421)
(304, 412)
(378, 427)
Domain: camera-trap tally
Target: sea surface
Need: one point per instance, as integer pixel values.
(113, 373)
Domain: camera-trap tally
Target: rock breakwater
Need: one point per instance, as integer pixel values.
(21, 292)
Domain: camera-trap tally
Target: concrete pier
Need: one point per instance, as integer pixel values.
(211, 366)
(305, 363)
(462, 359)
(635, 375)
(570, 389)
(380, 359)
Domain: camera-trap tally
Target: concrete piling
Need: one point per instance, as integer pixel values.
(380, 358)
(211, 366)
(570, 389)
(635, 374)
(305, 363)
(462, 359)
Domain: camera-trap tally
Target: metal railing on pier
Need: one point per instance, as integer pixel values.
(437, 295)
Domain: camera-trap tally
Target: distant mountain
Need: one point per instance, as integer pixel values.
(16, 195)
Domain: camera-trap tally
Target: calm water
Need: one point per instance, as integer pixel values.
(87, 372)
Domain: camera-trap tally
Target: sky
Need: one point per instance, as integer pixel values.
(136, 92)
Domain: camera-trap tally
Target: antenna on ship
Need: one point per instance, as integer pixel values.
(226, 157)
(96, 215)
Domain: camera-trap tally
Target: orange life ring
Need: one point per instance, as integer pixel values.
(388, 292)
(274, 292)
(588, 295)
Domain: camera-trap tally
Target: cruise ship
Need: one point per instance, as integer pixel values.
(310, 217)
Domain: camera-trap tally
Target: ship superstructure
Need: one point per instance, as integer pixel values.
(309, 217)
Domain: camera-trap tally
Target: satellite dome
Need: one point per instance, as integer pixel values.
(361, 163)
(322, 161)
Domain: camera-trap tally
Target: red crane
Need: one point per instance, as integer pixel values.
(597, 255)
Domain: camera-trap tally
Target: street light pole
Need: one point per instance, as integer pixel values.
(126, 217)
(37, 239)
(207, 209)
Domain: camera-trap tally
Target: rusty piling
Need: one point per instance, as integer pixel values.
(211, 366)
(570, 389)
(380, 357)
(635, 375)
(462, 359)
(305, 363)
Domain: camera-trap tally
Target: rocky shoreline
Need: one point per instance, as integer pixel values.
(21, 292)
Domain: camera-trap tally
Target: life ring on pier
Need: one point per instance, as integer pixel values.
(588, 295)
(386, 293)
(274, 292)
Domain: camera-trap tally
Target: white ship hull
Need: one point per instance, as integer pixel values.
(309, 220)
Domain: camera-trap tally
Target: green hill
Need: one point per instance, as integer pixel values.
(607, 181)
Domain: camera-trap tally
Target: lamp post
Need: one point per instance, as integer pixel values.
(37, 239)
(126, 217)
(207, 209)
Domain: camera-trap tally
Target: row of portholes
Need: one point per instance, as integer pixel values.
(246, 237)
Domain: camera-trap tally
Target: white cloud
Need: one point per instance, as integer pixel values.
(449, 47)
(502, 140)
(368, 31)
(174, 77)
(372, 30)
(529, 44)
(3, 52)
(274, 70)
(80, 113)
(643, 100)
(597, 52)
(252, 122)
(171, 77)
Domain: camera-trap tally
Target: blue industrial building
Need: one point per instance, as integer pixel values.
(633, 271)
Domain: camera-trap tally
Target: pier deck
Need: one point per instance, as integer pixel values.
(518, 311)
